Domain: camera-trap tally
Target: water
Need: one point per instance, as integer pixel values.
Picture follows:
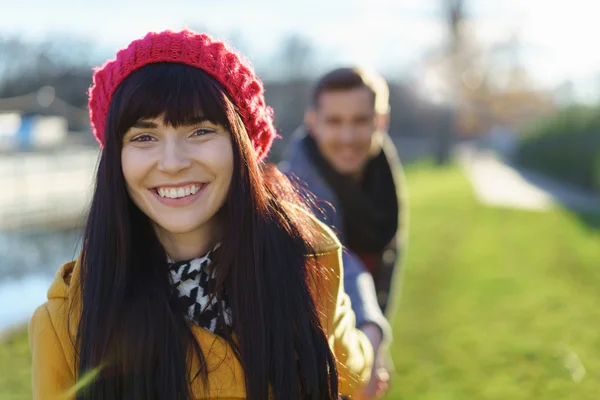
(20, 297)
(28, 262)
(45, 189)
(36, 252)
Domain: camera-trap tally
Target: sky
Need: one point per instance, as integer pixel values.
(389, 35)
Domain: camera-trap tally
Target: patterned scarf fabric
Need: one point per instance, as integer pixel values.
(194, 281)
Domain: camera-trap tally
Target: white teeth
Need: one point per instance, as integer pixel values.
(175, 193)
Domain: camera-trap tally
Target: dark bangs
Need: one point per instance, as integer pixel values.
(182, 94)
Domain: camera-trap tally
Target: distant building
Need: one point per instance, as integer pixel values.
(31, 132)
(39, 120)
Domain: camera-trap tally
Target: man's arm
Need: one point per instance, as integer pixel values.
(361, 290)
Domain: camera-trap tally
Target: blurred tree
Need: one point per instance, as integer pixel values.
(297, 57)
(454, 15)
(481, 86)
(507, 95)
(289, 85)
(59, 62)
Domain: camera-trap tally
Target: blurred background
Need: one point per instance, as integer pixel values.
(494, 111)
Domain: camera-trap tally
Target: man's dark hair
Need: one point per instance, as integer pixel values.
(348, 78)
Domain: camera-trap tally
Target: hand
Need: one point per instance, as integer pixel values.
(379, 382)
(377, 386)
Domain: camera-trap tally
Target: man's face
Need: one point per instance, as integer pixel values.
(343, 125)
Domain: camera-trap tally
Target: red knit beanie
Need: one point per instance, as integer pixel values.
(198, 50)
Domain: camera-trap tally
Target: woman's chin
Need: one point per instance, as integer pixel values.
(179, 227)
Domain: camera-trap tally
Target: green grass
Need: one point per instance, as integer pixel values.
(495, 304)
(15, 364)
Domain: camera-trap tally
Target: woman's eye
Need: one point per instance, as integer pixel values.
(142, 138)
(202, 132)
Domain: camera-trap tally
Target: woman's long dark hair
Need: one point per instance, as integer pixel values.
(131, 328)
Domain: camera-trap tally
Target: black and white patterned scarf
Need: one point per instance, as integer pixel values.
(194, 281)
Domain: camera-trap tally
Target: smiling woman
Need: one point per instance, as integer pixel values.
(179, 177)
(177, 166)
(202, 274)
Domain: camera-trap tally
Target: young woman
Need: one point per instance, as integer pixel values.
(202, 274)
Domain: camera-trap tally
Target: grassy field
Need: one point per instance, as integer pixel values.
(496, 304)
(15, 379)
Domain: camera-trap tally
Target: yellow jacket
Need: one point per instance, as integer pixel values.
(52, 334)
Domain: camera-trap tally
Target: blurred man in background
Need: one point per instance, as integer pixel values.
(344, 156)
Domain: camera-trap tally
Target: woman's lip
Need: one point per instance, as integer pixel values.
(177, 185)
(181, 201)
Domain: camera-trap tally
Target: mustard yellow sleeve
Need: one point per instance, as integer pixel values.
(351, 347)
(51, 375)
